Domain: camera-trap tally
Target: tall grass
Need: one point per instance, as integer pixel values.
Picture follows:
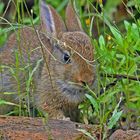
(116, 50)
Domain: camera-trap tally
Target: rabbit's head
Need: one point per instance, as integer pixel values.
(70, 54)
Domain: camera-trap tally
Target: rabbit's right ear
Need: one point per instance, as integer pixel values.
(72, 20)
(50, 19)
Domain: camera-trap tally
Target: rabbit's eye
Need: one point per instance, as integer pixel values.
(66, 58)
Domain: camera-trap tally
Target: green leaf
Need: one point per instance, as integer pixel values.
(93, 102)
(3, 102)
(8, 93)
(87, 133)
(105, 117)
(28, 82)
(135, 31)
(115, 116)
(117, 35)
(104, 98)
(113, 120)
(127, 25)
(1, 7)
(101, 41)
(3, 37)
(62, 5)
(137, 45)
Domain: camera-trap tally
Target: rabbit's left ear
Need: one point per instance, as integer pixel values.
(72, 20)
(51, 20)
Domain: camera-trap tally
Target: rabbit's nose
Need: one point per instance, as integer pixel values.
(86, 81)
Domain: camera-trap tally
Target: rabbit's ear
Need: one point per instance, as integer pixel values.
(72, 20)
(51, 20)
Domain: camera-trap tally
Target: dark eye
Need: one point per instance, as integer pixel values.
(66, 57)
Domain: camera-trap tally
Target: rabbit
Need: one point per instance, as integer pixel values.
(60, 50)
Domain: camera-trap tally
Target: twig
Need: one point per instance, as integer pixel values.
(122, 76)
(119, 77)
(107, 87)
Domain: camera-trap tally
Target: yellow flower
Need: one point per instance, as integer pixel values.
(88, 21)
(108, 37)
(100, 1)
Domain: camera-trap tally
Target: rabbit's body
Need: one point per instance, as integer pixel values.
(58, 82)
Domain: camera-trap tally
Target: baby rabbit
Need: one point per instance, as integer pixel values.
(57, 51)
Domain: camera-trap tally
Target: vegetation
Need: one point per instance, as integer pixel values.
(115, 35)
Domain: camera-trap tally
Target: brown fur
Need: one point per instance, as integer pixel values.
(54, 90)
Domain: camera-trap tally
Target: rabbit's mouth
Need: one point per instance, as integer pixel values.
(71, 92)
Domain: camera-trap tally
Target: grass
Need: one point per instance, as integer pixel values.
(117, 51)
